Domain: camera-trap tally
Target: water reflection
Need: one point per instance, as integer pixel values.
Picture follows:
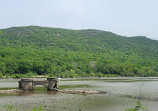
(28, 93)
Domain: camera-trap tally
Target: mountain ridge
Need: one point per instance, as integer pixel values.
(74, 30)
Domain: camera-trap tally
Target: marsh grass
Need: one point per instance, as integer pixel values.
(73, 86)
(8, 88)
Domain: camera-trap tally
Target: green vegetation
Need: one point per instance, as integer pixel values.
(138, 107)
(73, 86)
(7, 88)
(9, 108)
(38, 109)
(40, 89)
(12, 108)
(30, 51)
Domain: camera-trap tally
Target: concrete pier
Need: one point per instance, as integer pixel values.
(28, 84)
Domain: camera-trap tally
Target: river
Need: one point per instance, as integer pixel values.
(122, 94)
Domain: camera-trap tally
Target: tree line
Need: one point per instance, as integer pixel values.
(62, 63)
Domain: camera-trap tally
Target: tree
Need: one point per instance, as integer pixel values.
(1, 75)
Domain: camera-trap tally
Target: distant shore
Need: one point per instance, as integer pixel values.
(77, 78)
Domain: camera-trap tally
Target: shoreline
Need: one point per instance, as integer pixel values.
(69, 78)
(108, 78)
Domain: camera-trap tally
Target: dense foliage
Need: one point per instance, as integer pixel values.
(75, 53)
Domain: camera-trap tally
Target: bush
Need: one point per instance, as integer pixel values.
(1, 75)
(17, 76)
(138, 107)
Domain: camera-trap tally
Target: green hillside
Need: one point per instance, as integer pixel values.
(75, 53)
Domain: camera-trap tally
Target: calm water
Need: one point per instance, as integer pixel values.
(122, 93)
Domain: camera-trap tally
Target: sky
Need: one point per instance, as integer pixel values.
(123, 17)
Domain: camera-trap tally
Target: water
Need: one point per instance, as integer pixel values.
(122, 93)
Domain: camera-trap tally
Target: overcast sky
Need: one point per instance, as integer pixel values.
(123, 17)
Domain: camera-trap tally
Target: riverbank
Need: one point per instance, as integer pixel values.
(10, 91)
(83, 91)
(64, 91)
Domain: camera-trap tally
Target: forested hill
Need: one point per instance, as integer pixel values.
(73, 53)
(77, 40)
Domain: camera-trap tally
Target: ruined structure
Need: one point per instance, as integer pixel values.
(29, 84)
